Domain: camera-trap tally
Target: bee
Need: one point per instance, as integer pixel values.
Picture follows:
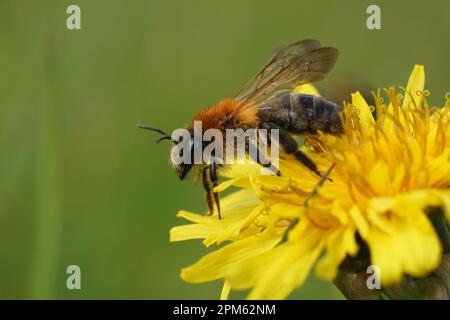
(269, 101)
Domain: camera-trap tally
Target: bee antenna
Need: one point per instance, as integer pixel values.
(165, 136)
(146, 127)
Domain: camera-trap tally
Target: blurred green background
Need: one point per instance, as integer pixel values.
(80, 184)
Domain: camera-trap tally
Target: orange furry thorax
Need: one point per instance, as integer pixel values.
(215, 116)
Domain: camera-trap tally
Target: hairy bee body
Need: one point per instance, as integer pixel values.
(301, 113)
(267, 101)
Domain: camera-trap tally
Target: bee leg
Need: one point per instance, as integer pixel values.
(291, 147)
(273, 169)
(300, 156)
(214, 180)
(207, 186)
(267, 164)
(261, 159)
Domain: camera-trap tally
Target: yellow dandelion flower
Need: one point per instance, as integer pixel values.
(391, 164)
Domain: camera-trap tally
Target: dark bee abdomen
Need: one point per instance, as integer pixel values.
(302, 113)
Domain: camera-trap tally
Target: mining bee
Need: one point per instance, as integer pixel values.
(268, 101)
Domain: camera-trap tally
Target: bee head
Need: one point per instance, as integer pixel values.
(177, 157)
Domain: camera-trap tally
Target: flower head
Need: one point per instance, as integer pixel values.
(391, 164)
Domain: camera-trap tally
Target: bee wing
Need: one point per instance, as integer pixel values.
(300, 63)
(280, 57)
